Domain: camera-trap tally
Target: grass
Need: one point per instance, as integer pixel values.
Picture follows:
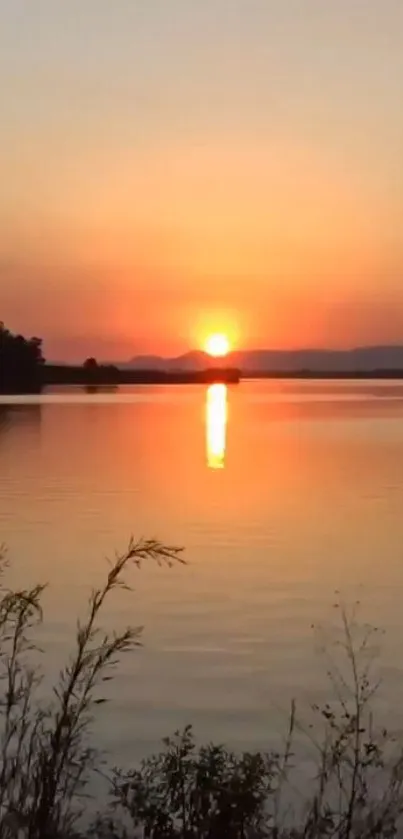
(47, 758)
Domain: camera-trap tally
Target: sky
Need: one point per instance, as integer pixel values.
(169, 168)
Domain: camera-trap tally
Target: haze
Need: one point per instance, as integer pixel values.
(169, 169)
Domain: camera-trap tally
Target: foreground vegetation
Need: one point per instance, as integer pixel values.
(208, 792)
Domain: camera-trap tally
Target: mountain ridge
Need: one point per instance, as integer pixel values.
(360, 359)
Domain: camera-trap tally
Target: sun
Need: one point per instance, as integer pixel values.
(217, 345)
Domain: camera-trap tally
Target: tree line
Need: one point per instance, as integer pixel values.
(23, 367)
(21, 362)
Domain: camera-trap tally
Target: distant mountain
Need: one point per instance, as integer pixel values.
(144, 362)
(359, 359)
(191, 361)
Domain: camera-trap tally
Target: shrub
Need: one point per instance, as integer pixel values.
(210, 793)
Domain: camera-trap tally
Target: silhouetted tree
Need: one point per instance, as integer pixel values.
(92, 371)
(21, 362)
(99, 374)
(91, 364)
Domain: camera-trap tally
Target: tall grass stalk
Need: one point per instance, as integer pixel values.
(45, 755)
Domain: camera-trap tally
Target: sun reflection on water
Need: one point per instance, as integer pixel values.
(216, 425)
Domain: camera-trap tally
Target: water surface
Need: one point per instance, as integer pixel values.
(281, 492)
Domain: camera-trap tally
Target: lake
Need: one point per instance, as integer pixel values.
(281, 492)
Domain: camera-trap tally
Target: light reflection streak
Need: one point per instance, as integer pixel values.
(216, 425)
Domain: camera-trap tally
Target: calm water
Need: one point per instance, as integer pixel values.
(281, 493)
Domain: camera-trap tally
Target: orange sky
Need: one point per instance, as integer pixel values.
(233, 168)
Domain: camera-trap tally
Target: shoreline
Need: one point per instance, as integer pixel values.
(112, 377)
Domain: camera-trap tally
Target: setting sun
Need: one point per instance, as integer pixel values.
(217, 345)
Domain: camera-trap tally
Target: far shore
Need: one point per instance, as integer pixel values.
(105, 375)
(112, 377)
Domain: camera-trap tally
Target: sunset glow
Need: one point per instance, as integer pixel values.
(217, 345)
(231, 174)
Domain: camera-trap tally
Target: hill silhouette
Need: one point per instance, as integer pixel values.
(358, 360)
